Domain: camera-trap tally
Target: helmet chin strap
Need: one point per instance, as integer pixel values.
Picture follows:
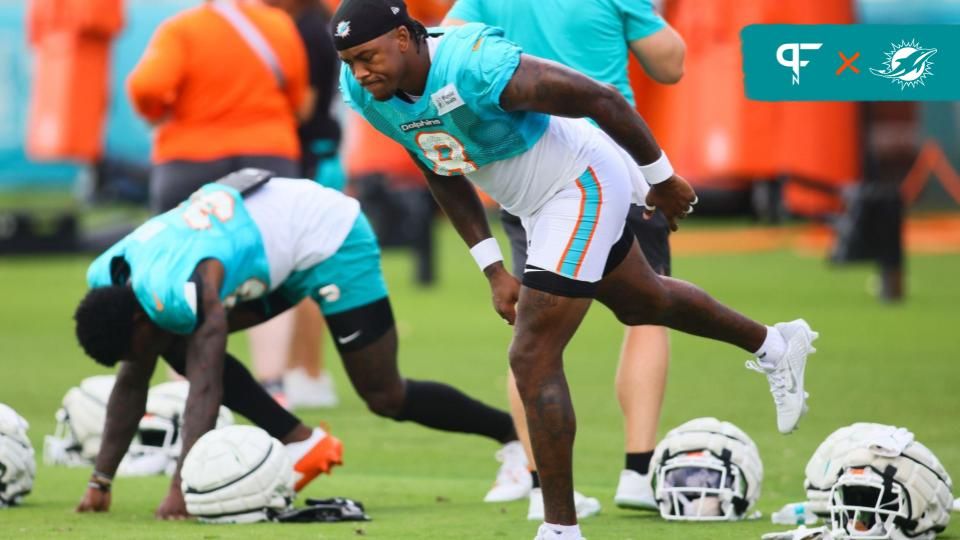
(858, 528)
(708, 506)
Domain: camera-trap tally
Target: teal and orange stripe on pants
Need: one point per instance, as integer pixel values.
(591, 199)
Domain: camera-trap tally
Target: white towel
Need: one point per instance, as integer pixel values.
(889, 442)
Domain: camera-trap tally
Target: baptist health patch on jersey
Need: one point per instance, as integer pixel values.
(458, 126)
(447, 99)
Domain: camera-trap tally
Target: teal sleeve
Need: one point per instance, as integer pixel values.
(98, 275)
(490, 66)
(467, 11)
(350, 89)
(640, 19)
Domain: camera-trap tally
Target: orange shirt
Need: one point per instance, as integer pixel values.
(212, 95)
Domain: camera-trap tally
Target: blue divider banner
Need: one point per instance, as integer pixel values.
(855, 62)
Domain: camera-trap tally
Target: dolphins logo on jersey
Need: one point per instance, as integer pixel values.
(343, 29)
(908, 64)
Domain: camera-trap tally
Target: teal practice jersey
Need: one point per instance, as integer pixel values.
(592, 37)
(458, 124)
(163, 253)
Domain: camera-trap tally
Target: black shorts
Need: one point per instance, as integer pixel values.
(351, 330)
(653, 236)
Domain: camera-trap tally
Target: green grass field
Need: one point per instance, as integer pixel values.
(891, 364)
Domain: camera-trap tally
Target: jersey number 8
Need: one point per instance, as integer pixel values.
(448, 155)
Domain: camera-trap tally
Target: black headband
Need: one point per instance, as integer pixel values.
(359, 21)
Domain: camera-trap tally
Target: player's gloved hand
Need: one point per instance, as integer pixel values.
(173, 506)
(505, 290)
(674, 197)
(94, 500)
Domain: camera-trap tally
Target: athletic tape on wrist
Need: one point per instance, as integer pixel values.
(486, 252)
(659, 171)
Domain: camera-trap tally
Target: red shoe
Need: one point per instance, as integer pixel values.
(321, 458)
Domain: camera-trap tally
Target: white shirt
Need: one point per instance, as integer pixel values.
(522, 184)
(301, 222)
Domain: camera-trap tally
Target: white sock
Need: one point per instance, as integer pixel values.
(296, 450)
(772, 350)
(565, 532)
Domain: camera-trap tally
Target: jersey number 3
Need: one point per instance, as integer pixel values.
(448, 155)
(203, 204)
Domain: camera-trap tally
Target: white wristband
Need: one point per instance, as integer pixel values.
(486, 252)
(659, 171)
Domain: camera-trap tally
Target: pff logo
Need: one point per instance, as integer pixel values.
(794, 62)
(907, 64)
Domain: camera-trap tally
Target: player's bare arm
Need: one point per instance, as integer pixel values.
(206, 348)
(458, 199)
(124, 410)
(548, 87)
(661, 54)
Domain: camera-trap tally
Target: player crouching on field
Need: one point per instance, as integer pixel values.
(235, 254)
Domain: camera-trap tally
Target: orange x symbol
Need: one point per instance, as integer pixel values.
(848, 62)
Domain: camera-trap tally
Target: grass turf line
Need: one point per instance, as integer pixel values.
(894, 364)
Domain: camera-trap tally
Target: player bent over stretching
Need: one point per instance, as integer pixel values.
(236, 253)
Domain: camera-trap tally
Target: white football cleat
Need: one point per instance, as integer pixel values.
(956, 505)
(513, 479)
(786, 378)
(305, 391)
(546, 533)
(635, 491)
(586, 506)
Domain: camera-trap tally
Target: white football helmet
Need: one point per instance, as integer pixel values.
(156, 446)
(706, 470)
(17, 465)
(238, 474)
(80, 420)
(877, 482)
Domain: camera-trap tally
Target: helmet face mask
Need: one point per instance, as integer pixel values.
(878, 482)
(62, 448)
(706, 470)
(157, 444)
(155, 447)
(863, 506)
(698, 486)
(17, 464)
(76, 439)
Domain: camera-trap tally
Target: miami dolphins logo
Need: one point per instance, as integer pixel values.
(343, 29)
(908, 64)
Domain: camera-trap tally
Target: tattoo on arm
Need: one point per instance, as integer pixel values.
(551, 88)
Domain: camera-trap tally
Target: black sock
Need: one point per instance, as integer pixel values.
(536, 479)
(639, 461)
(443, 407)
(243, 395)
